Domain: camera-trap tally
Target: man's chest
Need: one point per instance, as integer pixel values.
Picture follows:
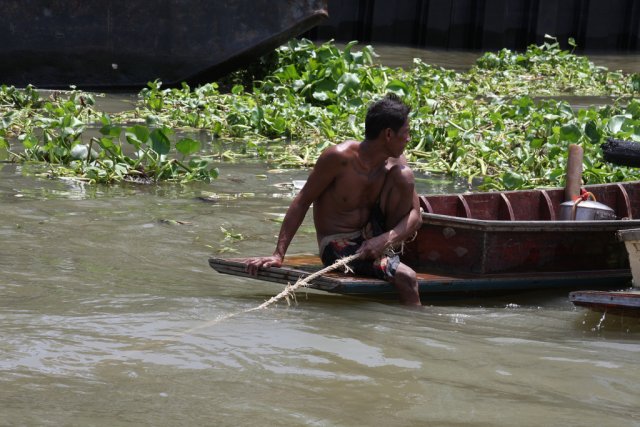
(357, 190)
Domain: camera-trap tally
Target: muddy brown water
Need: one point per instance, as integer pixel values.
(100, 286)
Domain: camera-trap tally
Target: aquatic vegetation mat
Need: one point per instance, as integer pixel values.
(503, 124)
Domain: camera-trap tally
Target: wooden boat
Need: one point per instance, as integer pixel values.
(521, 232)
(508, 241)
(97, 43)
(625, 303)
(430, 285)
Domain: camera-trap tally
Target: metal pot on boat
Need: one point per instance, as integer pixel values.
(585, 210)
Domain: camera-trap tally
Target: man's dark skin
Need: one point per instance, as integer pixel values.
(344, 185)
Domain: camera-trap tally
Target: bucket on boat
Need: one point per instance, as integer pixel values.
(583, 209)
(580, 205)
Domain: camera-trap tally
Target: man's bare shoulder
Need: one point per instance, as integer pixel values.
(349, 144)
(346, 148)
(393, 161)
(340, 152)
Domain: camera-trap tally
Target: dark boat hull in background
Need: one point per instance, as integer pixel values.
(597, 26)
(118, 43)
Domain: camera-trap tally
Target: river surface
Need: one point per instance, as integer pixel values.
(108, 310)
(107, 306)
(402, 56)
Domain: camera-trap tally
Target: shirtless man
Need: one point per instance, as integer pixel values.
(364, 202)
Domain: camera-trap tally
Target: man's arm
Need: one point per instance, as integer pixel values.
(399, 198)
(292, 220)
(407, 226)
(404, 229)
(323, 173)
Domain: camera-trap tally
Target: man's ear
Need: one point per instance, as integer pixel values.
(388, 133)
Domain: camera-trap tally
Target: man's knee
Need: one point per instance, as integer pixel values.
(400, 180)
(405, 275)
(397, 195)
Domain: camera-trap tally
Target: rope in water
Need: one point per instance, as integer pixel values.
(288, 291)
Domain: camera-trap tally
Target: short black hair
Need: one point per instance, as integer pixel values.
(388, 112)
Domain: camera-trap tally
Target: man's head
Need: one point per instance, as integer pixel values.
(386, 113)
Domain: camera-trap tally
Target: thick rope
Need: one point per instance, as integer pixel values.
(289, 291)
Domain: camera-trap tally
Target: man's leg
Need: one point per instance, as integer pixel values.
(406, 284)
(396, 200)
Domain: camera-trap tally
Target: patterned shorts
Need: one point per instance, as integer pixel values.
(339, 246)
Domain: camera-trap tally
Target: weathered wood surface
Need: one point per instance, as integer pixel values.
(430, 285)
(616, 302)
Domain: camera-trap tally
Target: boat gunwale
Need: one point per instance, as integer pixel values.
(628, 234)
(527, 225)
(625, 302)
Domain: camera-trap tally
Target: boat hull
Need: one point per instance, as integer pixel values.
(519, 232)
(430, 285)
(447, 245)
(118, 43)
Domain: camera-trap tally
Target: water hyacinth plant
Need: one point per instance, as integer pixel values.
(503, 124)
(53, 131)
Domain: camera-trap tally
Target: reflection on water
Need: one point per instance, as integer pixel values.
(102, 304)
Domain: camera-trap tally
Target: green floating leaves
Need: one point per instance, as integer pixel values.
(570, 133)
(501, 124)
(187, 146)
(615, 123)
(160, 141)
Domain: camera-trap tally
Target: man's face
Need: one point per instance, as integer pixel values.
(399, 140)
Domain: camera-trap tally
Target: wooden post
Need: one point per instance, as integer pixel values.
(574, 173)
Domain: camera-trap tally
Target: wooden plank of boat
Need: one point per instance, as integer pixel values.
(98, 43)
(616, 302)
(631, 239)
(430, 285)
